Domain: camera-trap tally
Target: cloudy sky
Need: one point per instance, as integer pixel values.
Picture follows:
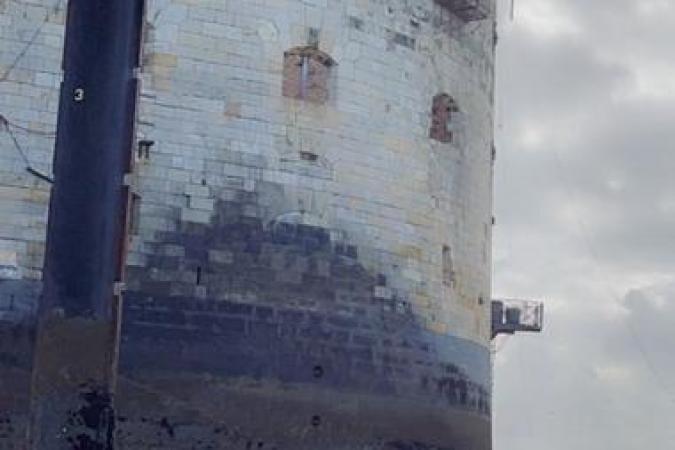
(585, 207)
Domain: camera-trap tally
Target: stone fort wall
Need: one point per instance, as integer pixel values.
(307, 269)
(31, 42)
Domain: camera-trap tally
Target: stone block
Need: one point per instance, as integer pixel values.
(221, 256)
(195, 216)
(197, 190)
(201, 203)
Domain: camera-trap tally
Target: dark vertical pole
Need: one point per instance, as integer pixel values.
(77, 340)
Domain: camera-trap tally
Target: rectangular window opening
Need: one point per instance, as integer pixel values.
(134, 214)
(448, 269)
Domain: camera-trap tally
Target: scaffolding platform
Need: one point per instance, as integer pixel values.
(515, 316)
(468, 10)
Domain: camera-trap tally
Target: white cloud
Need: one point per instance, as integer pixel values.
(615, 374)
(651, 8)
(653, 81)
(544, 18)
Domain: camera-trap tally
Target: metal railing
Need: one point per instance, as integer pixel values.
(468, 10)
(513, 316)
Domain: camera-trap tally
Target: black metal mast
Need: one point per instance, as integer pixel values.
(79, 315)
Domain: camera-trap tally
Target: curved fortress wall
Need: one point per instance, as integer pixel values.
(311, 264)
(310, 259)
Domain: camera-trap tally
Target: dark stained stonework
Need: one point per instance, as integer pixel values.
(284, 326)
(241, 319)
(184, 412)
(16, 344)
(18, 299)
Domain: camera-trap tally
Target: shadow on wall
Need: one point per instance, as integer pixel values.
(278, 300)
(18, 298)
(16, 355)
(222, 311)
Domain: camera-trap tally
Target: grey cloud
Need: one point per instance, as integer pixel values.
(583, 216)
(592, 382)
(558, 76)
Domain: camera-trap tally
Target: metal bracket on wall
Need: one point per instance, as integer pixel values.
(129, 181)
(118, 288)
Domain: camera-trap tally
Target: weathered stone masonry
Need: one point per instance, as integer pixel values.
(31, 40)
(309, 268)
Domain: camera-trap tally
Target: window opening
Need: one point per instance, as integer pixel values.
(444, 118)
(304, 77)
(307, 74)
(448, 269)
(135, 214)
